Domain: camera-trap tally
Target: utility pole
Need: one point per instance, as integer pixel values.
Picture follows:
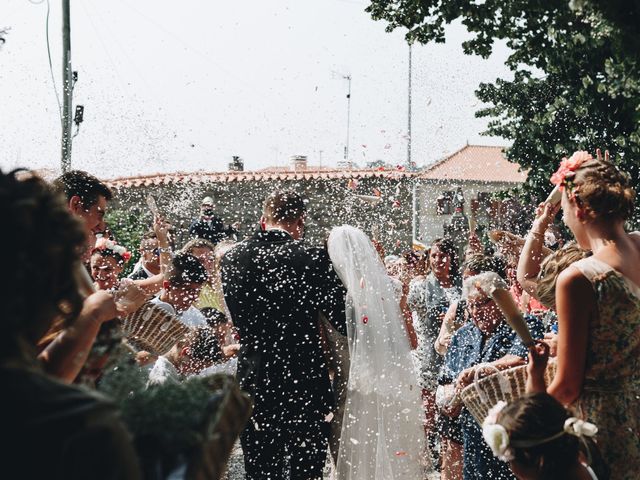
(409, 114)
(346, 145)
(67, 86)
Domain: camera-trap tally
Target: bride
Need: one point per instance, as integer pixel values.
(381, 434)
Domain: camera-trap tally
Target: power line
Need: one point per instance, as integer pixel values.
(53, 78)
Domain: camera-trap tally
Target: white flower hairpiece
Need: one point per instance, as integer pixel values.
(496, 435)
(106, 244)
(579, 428)
(498, 439)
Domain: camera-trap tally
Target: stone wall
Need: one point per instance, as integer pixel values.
(331, 203)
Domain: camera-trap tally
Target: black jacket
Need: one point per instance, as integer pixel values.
(274, 289)
(212, 230)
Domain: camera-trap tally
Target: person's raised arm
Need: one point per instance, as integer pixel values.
(534, 251)
(65, 356)
(447, 329)
(408, 317)
(576, 303)
(161, 228)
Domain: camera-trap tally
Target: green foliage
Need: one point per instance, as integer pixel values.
(171, 415)
(576, 74)
(127, 230)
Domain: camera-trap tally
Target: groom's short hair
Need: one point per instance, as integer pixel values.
(284, 206)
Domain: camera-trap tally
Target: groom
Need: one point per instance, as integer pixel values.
(274, 289)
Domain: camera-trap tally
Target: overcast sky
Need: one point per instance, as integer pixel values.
(183, 86)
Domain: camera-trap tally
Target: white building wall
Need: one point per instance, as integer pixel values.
(428, 224)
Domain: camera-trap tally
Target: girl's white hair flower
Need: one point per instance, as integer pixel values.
(498, 440)
(103, 244)
(579, 428)
(496, 435)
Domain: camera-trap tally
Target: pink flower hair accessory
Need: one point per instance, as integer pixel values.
(567, 169)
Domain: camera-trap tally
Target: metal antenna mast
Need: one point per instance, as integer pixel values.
(346, 146)
(67, 87)
(409, 114)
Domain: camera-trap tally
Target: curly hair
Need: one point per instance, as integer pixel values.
(484, 263)
(42, 242)
(551, 267)
(540, 416)
(604, 190)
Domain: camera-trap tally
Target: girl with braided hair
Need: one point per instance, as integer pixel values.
(598, 305)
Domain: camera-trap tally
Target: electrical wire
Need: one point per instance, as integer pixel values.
(55, 88)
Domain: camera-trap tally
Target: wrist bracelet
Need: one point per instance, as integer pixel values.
(536, 234)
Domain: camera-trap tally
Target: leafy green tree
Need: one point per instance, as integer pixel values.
(576, 76)
(127, 229)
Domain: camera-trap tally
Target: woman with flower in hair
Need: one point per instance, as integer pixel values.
(107, 262)
(541, 440)
(598, 307)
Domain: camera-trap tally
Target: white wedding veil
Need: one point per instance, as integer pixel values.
(382, 428)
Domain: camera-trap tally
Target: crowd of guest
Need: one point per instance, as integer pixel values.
(580, 302)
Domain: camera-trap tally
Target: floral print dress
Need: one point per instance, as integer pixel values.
(611, 391)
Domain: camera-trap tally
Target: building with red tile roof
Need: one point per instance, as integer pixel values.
(406, 205)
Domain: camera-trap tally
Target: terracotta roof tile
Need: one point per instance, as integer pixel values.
(479, 163)
(260, 175)
(472, 162)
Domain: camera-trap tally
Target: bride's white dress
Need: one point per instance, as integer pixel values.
(382, 436)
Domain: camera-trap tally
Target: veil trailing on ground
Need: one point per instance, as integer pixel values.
(382, 434)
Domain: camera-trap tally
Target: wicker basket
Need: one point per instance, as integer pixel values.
(505, 385)
(153, 328)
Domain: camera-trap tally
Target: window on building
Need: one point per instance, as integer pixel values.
(484, 202)
(444, 203)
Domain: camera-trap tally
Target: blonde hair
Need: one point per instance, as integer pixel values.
(604, 190)
(551, 267)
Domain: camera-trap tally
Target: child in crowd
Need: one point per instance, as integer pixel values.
(181, 288)
(229, 346)
(189, 356)
(541, 440)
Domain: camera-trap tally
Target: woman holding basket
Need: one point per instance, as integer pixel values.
(486, 339)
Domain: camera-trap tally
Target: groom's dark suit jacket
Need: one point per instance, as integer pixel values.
(274, 289)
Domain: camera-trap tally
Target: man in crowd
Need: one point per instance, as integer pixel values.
(65, 355)
(208, 225)
(189, 356)
(274, 289)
